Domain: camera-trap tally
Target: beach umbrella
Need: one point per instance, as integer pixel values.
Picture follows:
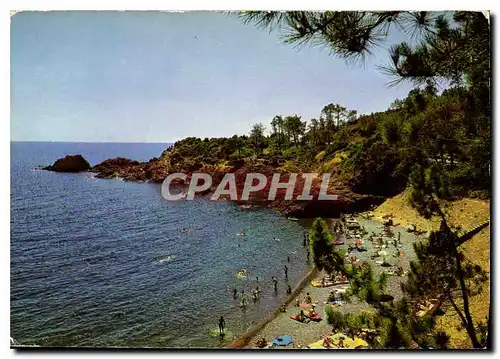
(283, 340)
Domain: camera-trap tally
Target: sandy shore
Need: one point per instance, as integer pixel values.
(308, 333)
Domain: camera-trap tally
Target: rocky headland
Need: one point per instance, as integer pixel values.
(157, 169)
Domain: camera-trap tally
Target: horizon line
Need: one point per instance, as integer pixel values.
(41, 141)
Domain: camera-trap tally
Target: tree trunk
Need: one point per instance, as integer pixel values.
(469, 325)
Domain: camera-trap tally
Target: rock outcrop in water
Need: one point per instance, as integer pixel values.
(69, 163)
(119, 167)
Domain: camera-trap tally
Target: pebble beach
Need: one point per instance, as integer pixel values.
(304, 334)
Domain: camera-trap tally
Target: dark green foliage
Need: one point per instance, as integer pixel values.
(437, 143)
(441, 340)
(257, 138)
(323, 253)
(449, 135)
(335, 319)
(439, 272)
(320, 242)
(364, 284)
(442, 272)
(350, 323)
(372, 166)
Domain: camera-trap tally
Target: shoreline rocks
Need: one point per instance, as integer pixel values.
(119, 168)
(157, 169)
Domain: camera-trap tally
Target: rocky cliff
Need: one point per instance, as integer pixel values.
(157, 169)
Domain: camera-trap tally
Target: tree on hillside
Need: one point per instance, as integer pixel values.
(329, 113)
(236, 143)
(340, 114)
(295, 128)
(314, 132)
(352, 115)
(323, 134)
(257, 138)
(277, 125)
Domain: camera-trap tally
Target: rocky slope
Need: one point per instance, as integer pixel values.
(157, 169)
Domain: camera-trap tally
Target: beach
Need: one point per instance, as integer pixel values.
(304, 334)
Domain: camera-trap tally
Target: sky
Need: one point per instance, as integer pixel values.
(159, 77)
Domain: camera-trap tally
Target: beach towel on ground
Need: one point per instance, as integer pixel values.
(296, 317)
(283, 340)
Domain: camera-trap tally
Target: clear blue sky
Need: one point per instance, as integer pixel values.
(159, 77)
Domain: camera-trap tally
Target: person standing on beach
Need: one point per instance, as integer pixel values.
(308, 299)
(289, 290)
(258, 291)
(222, 324)
(286, 271)
(244, 301)
(275, 283)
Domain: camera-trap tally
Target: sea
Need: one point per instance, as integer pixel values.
(110, 263)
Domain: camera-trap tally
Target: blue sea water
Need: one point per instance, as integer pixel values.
(105, 262)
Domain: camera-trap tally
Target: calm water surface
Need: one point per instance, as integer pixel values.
(111, 263)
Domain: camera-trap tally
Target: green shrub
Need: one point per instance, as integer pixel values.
(335, 319)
